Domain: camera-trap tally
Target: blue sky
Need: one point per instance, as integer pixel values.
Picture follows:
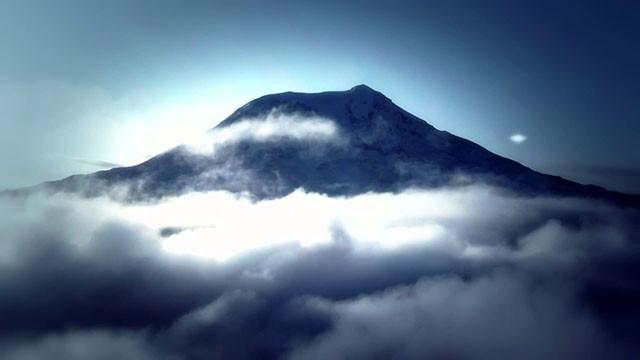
(85, 84)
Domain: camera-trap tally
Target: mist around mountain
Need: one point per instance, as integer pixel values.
(319, 226)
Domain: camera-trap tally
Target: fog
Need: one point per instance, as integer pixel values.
(469, 272)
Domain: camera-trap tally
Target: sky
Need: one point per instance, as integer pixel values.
(87, 85)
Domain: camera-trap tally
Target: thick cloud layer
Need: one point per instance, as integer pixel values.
(461, 273)
(93, 344)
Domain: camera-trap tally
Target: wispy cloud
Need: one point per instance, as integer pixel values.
(273, 126)
(98, 163)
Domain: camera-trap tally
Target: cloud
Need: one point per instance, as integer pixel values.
(474, 273)
(495, 316)
(92, 344)
(379, 220)
(518, 138)
(275, 125)
(98, 163)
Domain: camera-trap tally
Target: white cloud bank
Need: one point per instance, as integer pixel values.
(467, 273)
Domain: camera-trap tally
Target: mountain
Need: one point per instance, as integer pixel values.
(336, 143)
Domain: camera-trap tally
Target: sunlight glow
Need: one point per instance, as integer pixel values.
(172, 125)
(220, 225)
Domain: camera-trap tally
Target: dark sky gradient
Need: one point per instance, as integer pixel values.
(85, 83)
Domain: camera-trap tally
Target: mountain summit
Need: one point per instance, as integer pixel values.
(336, 143)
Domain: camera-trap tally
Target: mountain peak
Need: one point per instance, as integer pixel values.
(344, 107)
(363, 88)
(364, 92)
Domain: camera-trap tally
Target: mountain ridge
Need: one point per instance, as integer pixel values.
(386, 149)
